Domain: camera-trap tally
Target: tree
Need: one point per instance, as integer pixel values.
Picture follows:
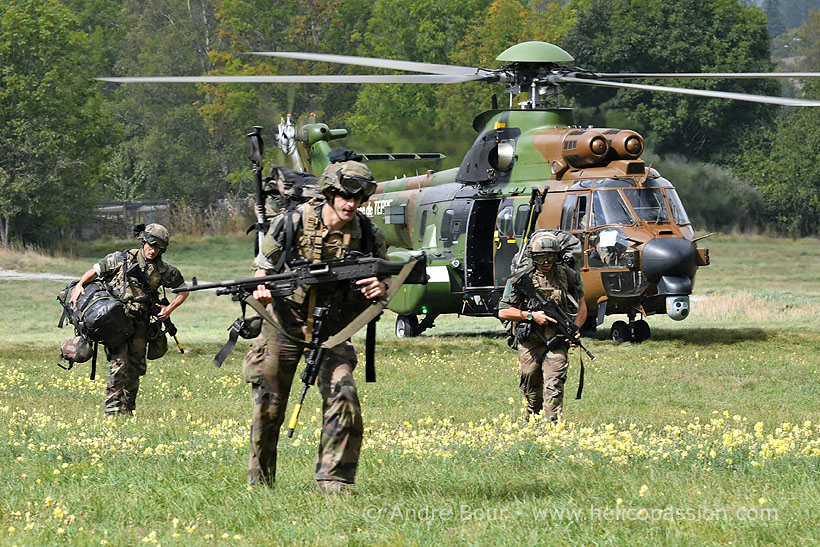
(506, 23)
(401, 117)
(774, 17)
(678, 36)
(52, 131)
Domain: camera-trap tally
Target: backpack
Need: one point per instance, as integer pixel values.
(99, 315)
(292, 187)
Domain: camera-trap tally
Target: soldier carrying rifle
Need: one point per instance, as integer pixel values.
(317, 231)
(542, 356)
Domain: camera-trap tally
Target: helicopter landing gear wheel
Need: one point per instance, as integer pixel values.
(619, 333)
(407, 326)
(641, 331)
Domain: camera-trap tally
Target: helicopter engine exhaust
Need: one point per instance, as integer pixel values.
(624, 143)
(577, 147)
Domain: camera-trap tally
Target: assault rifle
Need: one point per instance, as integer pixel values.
(154, 301)
(567, 329)
(305, 273)
(312, 273)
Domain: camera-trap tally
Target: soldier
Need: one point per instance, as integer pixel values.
(543, 371)
(320, 230)
(127, 361)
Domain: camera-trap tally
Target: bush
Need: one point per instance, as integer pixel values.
(714, 197)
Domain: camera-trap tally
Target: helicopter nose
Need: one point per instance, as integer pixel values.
(670, 262)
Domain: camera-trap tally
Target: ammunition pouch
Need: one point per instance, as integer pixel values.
(157, 341)
(99, 314)
(523, 331)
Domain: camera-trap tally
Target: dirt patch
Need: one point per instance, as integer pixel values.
(14, 275)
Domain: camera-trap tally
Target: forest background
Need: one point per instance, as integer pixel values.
(68, 142)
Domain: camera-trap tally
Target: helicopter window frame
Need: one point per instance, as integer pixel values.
(522, 215)
(676, 207)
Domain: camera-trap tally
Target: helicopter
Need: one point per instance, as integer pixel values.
(530, 167)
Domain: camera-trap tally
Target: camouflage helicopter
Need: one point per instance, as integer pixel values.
(530, 167)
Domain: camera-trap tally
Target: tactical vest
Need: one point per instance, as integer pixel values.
(128, 288)
(312, 243)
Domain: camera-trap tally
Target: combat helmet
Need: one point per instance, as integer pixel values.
(544, 246)
(154, 234)
(76, 350)
(349, 177)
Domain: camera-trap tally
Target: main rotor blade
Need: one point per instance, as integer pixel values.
(394, 64)
(705, 75)
(296, 79)
(784, 101)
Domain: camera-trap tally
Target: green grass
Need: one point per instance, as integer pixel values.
(713, 419)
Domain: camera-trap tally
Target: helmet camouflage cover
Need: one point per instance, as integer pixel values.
(349, 177)
(76, 350)
(544, 243)
(156, 235)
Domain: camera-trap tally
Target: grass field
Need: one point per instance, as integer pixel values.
(707, 434)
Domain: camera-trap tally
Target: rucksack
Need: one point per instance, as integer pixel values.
(292, 187)
(99, 315)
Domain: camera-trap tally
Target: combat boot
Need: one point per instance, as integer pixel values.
(335, 488)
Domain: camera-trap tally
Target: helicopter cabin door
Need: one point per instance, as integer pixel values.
(510, 225)
(479, 252)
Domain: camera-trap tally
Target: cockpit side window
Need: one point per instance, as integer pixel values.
(566, 212)
(678, 212)
(579, 215)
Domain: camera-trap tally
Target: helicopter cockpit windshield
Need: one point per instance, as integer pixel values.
(608, 207)
(648, 203)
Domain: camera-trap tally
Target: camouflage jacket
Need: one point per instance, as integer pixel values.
(561, 284)
(307, 223)
(159, 274)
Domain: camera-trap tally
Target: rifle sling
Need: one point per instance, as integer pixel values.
(373, 310)
(370, 352)
(94, 362)
(580, 378)
(233, 336)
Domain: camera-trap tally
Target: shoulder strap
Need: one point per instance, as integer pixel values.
(290, 231)
(368, 243)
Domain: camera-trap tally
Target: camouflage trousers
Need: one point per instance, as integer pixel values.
(126, 365)
(542, 374)
(269, 367)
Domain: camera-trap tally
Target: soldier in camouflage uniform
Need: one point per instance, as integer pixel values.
(543, 371)
(321, 230)
(127, 362)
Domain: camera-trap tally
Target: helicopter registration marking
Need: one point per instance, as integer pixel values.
(375, 208)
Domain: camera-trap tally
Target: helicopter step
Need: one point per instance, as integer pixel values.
(634, 331)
